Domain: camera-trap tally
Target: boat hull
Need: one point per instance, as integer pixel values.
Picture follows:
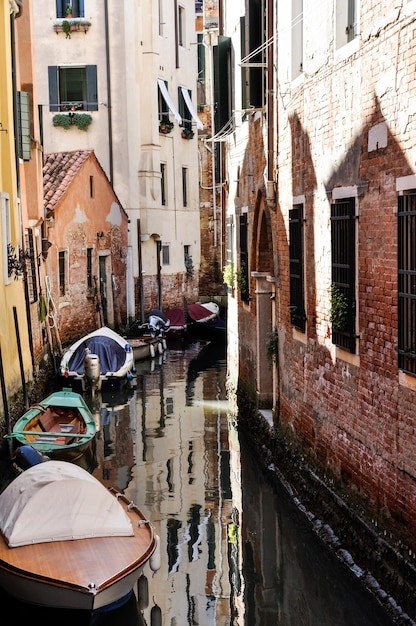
(85, 574)
(147, 347)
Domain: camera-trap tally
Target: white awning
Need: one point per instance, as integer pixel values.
(168, 99)
(191, 108)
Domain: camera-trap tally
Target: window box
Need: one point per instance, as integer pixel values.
(66, 120)
(187, 133)
(72, 25)
(165, 127)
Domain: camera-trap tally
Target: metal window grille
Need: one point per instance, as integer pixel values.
(407, 282)
(343, 270)
(163, 183)
(245, 291)
(31, 267)
(62, 273)
(90, 278)
(297, 302)
(185, 186)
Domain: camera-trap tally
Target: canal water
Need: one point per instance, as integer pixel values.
(234, 550)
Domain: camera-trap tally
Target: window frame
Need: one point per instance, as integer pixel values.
(165, 253)
(77, 8)
(343, 268)
(244, 258)
(346, 22)
(181, 25)
(297, 39)
(89, 102)
(23, 122)
(184, 111)
(63, 278)
(296, 267)
(184, 186)
(32, 286)
(163, 184)
(406, 270)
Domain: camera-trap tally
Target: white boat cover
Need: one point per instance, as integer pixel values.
(59, 501)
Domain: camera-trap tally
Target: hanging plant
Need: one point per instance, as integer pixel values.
(272, 345)
(187, 133)
(82, 120)
(165, 127)
(16, 263)
(61, 119)
(241, 280)
(339, 309)
(66, 27)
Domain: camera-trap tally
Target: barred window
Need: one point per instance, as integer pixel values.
(297, 302)
(31, 266)
(244, 275)
(343, 307)
(63, 273)
(407, 282)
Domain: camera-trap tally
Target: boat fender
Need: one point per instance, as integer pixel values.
(143, 592)
(152, 350)
(127, 347)
(160, 348)
(156, 616)
(155, 559)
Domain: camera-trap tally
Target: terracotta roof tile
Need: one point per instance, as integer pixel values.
(59, 170)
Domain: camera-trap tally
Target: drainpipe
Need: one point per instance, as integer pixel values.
(109, 108)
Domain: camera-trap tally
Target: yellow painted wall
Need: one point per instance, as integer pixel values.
(13, 319)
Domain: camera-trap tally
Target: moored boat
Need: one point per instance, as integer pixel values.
(196, 321)
(101, 360)
(69, 542)
(148, 340)
(61, 426)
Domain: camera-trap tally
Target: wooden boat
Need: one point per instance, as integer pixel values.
(60, 427)
(102, 360)
(68, 542)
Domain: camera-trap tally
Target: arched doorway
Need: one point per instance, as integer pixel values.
(263, 274)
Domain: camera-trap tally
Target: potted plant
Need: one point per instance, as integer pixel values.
(165, 126)
(187, 133)
(68, 11)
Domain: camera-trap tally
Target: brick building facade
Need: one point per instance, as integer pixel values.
(332, 253)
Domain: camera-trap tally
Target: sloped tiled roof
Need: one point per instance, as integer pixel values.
(59, 170)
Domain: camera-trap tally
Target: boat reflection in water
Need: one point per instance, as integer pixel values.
(232, 551)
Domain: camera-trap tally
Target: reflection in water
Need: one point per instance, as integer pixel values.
(234, 551)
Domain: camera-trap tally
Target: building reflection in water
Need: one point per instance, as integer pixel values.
(229, 556)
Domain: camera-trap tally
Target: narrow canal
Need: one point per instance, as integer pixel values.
(234, 550)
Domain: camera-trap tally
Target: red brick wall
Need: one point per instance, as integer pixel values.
(353, 413)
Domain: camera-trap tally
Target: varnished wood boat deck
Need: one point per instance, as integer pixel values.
(77, 564)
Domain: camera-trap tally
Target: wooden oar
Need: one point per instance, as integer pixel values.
(41, 433)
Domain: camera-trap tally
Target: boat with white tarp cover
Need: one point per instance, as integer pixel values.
(69, 542)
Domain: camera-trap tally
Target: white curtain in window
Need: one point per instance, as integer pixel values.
(191, 108)
(168, 100)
